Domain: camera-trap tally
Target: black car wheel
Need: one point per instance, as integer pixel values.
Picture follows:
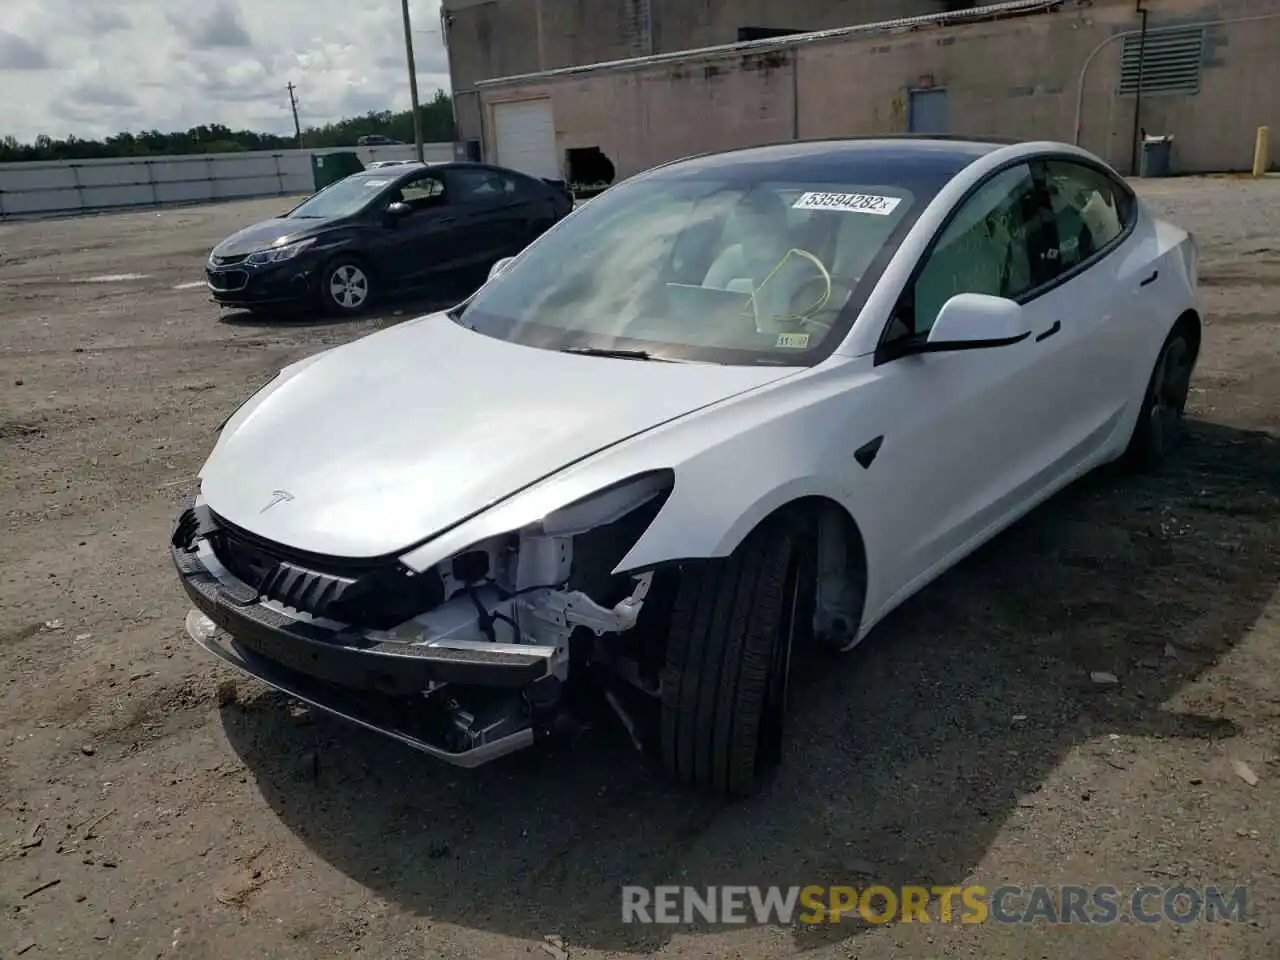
(1160, 422)
(346, 286)
(724, 686)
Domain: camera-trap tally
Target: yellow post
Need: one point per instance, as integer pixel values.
(1260, 152)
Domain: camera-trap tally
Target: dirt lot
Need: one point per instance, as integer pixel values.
(964, 742)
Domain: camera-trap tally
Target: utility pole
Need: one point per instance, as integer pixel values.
(293, 104)
(413, 81)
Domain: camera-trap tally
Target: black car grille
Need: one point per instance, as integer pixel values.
(375, 594)
(231, 280)
(228, 261)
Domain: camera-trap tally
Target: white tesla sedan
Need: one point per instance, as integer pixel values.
(737, 403)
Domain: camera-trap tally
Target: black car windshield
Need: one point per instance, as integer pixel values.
(343, 198)
(723, 269)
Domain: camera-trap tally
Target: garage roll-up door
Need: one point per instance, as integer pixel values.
(525, 137)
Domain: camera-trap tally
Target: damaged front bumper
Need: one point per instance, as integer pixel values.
(460, 700)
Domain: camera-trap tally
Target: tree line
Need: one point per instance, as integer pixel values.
(437, 127)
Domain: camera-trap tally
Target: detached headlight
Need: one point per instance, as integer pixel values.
(279, 254)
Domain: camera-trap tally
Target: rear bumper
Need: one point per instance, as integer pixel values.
(382, 686)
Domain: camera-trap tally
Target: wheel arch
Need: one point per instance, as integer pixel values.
(803, 510)
(352, 251)
(1190, 321)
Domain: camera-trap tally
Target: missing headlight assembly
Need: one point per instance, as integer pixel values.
(466, 659)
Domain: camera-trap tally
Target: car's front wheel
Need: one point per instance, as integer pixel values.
(346, 286)
(728, 657)
(1160, 420)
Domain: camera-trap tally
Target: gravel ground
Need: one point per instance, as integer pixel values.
(965, 742)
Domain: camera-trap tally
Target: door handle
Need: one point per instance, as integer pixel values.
(1057, 325)
(1150, 279)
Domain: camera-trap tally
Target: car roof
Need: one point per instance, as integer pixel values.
(408, 167)
(939, 155)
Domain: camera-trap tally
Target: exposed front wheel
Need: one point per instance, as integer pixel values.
(724, 686)
(1160, 421)
(346, 286)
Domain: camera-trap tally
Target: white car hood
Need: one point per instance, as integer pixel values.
(386, 441)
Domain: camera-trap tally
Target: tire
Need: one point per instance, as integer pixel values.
(727, 662)
(1160, 426)
(346, 286)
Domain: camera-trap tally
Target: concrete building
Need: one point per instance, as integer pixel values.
(500, 38)
(1095, 72)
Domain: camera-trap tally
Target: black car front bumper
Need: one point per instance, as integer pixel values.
(242, 284)
(382, 686)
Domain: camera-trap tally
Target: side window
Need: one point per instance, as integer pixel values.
(477, 186)
(422, 192)
(1000, 243)
(1089, 208)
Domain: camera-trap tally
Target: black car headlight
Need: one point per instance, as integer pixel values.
(279, 254)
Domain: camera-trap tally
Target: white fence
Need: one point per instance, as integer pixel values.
(68, 187)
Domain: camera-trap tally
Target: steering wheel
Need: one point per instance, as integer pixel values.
(805, 316)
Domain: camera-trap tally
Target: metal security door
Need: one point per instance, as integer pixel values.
(927, 111)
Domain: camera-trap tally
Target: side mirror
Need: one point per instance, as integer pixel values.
(975, 321)
(397, 210)
(499, 266)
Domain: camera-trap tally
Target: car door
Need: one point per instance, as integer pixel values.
(497, 217)
(959, 440)
(1099, 303)
(414, 247)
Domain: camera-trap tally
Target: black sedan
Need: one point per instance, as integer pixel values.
(411, 227)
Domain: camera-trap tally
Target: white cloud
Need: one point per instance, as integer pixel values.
(95, 67)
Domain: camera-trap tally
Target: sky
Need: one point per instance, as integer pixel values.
(93, 68)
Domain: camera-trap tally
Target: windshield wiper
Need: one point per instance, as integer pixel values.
(619, 354)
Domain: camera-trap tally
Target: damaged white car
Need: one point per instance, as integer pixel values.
(735, 404)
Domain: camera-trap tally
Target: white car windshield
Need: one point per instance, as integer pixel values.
(343, 198)
(725, 270)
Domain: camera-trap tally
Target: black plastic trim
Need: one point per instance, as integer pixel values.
(1057, 325)
(348, 660)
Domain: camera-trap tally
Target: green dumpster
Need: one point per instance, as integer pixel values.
(327, 168)
(1155, 156)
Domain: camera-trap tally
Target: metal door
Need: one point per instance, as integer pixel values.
(927, 111)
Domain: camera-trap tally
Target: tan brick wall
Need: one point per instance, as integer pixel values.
(1014, 78)
(498, 38)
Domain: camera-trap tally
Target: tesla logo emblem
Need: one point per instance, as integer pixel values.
(277, 496)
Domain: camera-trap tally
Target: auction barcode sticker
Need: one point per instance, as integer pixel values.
(848, 203)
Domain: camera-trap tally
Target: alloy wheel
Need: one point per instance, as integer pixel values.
(348, 286)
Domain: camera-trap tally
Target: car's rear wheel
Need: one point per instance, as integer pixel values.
(724, 686)
(1160, 425)
(346, 286)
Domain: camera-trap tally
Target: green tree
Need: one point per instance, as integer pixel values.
(437, 127)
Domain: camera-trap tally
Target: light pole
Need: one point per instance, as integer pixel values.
(413, 81)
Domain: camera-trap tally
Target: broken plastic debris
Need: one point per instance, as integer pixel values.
(1245, 772)
(227, 693)
(53, 624)
(1099, 676)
